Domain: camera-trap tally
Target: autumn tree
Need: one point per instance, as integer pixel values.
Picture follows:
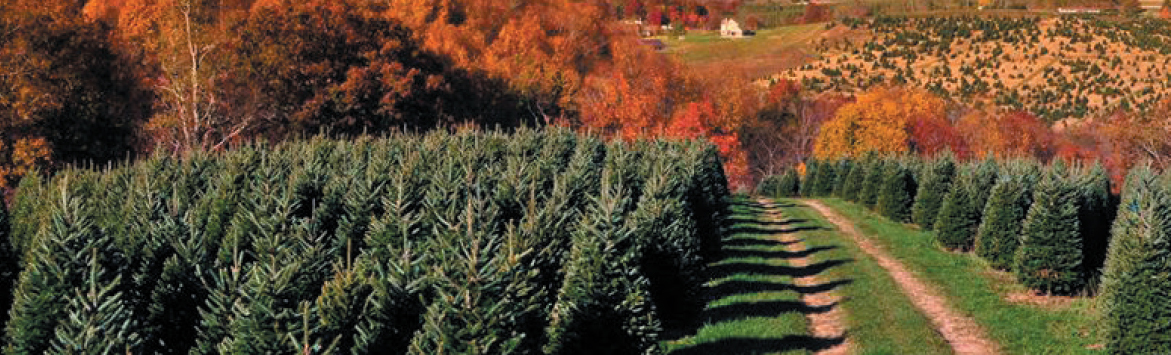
(67, 92)
(878, 121)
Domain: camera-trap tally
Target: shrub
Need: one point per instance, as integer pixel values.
(789, 184)
(932, 192)
(769, 186)
(1049, 257)
(897, 194)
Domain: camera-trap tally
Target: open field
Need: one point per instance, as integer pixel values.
(770, 51)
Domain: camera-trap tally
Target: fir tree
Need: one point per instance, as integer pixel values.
(826, 175)
(788, 185)
(1096, 211)
(853, 184)
(956, 225)
(933, 191)
(872, 186)
(1049, 257)
(809, 181)
(896, 195)
(999, 233)
(843, 173)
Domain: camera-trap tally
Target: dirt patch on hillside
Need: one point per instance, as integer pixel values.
(961, 332)
(826, 325)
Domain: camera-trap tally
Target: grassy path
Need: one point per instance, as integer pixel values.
(755, 306)
(962, 332)
(1019, 323)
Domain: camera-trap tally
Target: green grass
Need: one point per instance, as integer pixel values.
(753, 307)
(699, 47)
(880, 319)
(977, 291)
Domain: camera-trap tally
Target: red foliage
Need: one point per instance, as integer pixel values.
(932, 135)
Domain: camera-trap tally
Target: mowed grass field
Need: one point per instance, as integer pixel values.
(764, 54)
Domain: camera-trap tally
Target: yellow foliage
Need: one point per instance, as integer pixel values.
(878, 121)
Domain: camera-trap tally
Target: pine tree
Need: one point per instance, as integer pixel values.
(1049, 258)
(896, 196)
(933, 191)
(999, 233)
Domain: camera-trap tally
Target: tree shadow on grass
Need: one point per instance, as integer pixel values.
(722, 270)
(733, 287)
(746, 346)
(732, 253)
(751, 238)
(750, 229)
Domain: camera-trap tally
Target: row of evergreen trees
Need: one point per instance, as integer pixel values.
(486, 243)
(1053, 226)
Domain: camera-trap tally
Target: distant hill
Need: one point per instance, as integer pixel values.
(1056, 68)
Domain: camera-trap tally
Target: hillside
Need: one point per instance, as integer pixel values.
(1055, 68)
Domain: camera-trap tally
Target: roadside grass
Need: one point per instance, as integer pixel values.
(753, 306)
(1066, 326)
(879, 318)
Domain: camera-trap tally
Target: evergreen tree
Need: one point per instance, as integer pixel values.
(826, 175)
(769, 186)
(999, 233)
(789, 184)
(843, 172)
(983, 179)
(1141, 230)
(1096, 211)
(1135, 280)
(852, 187)
(872, 186)
(808, 182)
(956, 225)
(932, 191)
(896, 196)
(1049, 257)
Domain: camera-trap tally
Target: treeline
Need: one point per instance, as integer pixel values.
(103, 80)
(441, 243)
(1059, 229)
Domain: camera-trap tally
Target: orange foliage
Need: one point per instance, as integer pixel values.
(879, 121)
(1015, 134)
